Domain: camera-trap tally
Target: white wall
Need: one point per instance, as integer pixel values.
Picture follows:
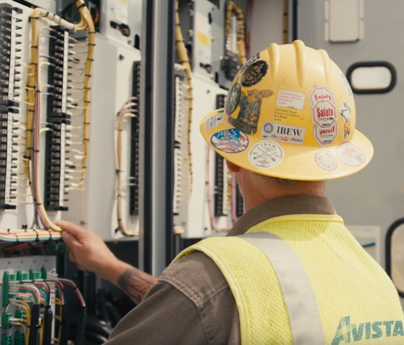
(266, 24)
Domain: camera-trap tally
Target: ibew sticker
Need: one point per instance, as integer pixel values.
(283, 133)
(214, 121)
(266, 154)
(290, 99)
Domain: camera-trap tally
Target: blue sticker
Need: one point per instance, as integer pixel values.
(249, 62)
(230, 140)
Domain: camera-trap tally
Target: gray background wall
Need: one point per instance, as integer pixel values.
(374, 196)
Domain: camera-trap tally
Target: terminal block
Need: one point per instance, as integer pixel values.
(134, 159)
(6, 339)
(219, 185)
(181, 109)
(57, 119)
(239, 202)
(9, 78)
(220, 171)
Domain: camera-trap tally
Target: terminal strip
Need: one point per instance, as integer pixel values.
(220, 174)
(181, 175)
(134, 157)
(57, 119)
(9, 107)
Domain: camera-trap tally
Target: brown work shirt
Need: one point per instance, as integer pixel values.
(192, 303)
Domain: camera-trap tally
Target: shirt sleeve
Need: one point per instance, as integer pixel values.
(190, 304)
(165, 316)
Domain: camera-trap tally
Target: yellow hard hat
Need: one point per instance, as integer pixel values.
(290, 114)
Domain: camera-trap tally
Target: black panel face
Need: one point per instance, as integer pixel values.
(134, 159)
(55, 118)
(219, 185)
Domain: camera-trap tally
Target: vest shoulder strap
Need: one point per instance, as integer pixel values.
(298, 294)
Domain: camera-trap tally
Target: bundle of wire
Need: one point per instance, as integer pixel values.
(184, 60)
(29, 296)
(127, 110)
(232, 8)
(34, 86)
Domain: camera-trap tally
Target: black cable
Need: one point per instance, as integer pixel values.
(81, 327)
(95, 338)
(98, 326)
(34, 325)
(48, 318)
(65, 325)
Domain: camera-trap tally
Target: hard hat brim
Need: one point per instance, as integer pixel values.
(285, 160)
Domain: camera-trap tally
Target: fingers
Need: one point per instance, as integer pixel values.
(72, 257)
(81, 268)
(71, 229)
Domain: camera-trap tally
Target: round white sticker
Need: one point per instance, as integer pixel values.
(326, 160)
(266, 154)
(350, 154)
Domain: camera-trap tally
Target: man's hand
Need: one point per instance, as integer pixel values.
(90, 253)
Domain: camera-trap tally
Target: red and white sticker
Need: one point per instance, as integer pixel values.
(320, 94)
(326, 136)
(290, 99)
(324, 113)
(326, 160)
(350, 155)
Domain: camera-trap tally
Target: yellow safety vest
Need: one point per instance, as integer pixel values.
(305, 280)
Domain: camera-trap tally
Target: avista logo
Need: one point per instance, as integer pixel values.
(348, 333)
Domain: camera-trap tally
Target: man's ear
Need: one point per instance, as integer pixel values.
(232, 167)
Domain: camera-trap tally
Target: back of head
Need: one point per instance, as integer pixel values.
(290, 114)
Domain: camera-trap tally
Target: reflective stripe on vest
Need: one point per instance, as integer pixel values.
(301, 304)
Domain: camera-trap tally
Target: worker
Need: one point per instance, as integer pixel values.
(289, 271)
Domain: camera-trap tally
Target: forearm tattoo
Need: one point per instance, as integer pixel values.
(135, 284)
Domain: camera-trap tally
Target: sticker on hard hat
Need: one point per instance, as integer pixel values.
(250, 110)
(230, 140)
(284, 133)
(350, 155)
(265, 154)
(290, 99)
(345, 84)
(233, 99)
(326, 135)
(345, 112)
(254, 73)
(249, 62)
(324, 114)
(319, 94)
(326, 160)
(214, 121)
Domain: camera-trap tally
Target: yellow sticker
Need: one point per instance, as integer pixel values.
(203, 38)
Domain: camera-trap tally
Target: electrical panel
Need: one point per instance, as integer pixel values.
(213, 36)
(211, 204)
(35, 303)
(45, 82)
(182, 177)
(109, 205)
(213, 32)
